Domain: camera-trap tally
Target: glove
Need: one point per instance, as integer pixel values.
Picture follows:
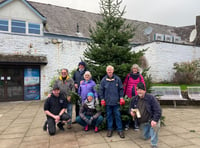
(103, 102)
(121, 102)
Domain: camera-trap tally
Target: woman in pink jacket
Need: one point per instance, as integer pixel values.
(131, 81)
(130, 84)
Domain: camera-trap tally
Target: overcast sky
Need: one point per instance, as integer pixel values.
(166, 12)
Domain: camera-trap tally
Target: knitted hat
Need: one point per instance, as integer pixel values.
(56, 87)
(140, 85)
(90, 94)
(81, 63)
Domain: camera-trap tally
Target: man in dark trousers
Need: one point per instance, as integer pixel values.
(78, 77)
(54, 109)
(111, 94)
(148, 112)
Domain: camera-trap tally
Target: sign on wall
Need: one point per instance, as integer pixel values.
(31, 84)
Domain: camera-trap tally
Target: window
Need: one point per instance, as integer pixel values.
(18, 26)
(34, 28)
(3, 25)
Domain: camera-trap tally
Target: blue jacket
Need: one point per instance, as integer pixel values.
(111, 90)
(152, 106)
(85, 88)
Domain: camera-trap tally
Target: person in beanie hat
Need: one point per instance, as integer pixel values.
(88, 114)
(150, 113)
(78, 77)
(54, 109)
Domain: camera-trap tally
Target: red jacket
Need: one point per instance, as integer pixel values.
(130, 84)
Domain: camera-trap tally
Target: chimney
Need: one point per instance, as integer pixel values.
(197, 41)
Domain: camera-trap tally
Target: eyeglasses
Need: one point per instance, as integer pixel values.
(63, 72)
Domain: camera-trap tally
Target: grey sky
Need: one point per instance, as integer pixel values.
(166, 12)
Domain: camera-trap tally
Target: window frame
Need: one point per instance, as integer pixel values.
(24, 27)
(4, 25)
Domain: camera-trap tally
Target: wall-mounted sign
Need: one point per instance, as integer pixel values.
(31, 84)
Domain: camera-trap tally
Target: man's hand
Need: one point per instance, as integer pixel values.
(57, 118)
(133, 114)
(76, 86)
(153, 123)
(103, 102)
(69, 98)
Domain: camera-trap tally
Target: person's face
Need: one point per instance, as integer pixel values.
(109, 72)
(89, 98)
(140, 92)
(56, 92)
(64, 73)
(134, 70)
(81, 67)
(87, 77)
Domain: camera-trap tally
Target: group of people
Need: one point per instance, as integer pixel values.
(144, 108)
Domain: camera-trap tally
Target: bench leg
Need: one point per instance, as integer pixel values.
(174, 101)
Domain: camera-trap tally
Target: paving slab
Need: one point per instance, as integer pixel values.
(21, 127)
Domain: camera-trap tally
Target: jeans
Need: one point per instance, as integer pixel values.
(150, 132)
(110, 110)
(95, 122)
(69, 111)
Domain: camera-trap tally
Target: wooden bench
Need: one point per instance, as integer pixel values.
(194, 93)
(167, 93)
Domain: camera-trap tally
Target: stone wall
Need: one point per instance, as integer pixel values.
(161, 57)
(59, 53)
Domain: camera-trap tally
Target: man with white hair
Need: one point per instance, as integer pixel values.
(111, 94)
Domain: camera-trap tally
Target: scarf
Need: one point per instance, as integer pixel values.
(90, 104)
(135, 75)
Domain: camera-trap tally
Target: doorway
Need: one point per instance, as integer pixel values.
(11, 83)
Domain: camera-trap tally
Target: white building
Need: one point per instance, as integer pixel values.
(38, 39)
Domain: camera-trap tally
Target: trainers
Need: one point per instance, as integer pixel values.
(60, 126)
(86, 128)
(121, 134)
(136, 129)
(45, 126)
(96, 129)
(69, 126)
(154, 146)
(126, 128)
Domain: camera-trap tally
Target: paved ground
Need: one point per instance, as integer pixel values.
(21, 127)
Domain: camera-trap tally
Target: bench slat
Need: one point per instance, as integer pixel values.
(194, 93)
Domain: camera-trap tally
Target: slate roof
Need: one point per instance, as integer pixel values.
(64, 21)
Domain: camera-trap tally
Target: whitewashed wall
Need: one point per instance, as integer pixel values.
(161, 57)
(62, 55)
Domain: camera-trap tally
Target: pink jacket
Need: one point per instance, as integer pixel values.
(129, 83)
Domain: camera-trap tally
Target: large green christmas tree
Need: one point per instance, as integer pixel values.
(110, 42)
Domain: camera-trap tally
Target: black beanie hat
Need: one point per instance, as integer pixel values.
(81, 63)
(140, 85)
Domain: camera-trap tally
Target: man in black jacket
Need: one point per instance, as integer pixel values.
(54, 109)
(148, 112)
(78, 77)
